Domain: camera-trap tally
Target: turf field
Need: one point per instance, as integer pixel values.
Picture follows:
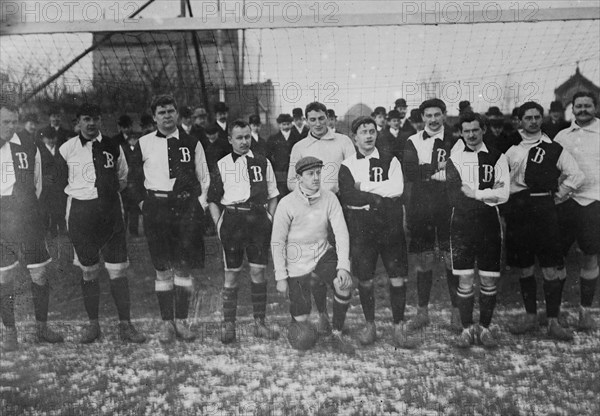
(527, 375)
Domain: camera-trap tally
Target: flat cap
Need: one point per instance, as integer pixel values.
(284, 118)
(306, 163)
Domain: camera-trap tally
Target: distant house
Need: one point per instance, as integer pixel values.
(564, 93)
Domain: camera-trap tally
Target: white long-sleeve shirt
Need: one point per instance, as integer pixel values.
(8, 169)
(571, 176)
(583, 143)
(467, 165)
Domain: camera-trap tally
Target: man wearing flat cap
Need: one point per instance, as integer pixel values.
(556, 122)
(304, 258)
(279, 148)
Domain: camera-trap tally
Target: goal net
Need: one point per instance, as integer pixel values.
(351, 59)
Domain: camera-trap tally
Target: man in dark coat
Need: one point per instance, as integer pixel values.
(279, 148)
(556, 122)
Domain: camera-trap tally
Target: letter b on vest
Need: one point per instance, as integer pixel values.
(256, 173)
(539, 155)
(110, 160)
(23, 162)
(488, 171)
(186, 156)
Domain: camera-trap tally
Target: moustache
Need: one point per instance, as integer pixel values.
(583, 112)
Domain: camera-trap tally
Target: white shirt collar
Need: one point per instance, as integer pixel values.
(375, 154)
(483, 148)
(223, 125)
(286, 134)
(15, 139)
(593, 126)
(174, 134)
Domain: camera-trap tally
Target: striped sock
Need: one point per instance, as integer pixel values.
(465, 300)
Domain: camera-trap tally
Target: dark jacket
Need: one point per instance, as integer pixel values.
(62, 135)
(278, 151)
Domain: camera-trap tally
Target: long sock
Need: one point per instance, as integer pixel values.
(529, 290)
(119, 288)
(398, 302)
(465, 300)
(230, 296)
(40, 301)
(340, 307)
(553, 295)
(165, 304)
(487, 303)
(367, 300)
(91, 297)
(182, 301)
(259, 300)
(587, 288)
(7, 304)
(319, 292)
(424, 282)
(452, 286)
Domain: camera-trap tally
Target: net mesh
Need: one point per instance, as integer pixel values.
(350, 69)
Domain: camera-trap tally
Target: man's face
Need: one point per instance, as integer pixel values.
(50, 141)
(317, 123)
(299, 121)
(584, 110)
(213, 137)
(310, 179)
(394, 123)
(434, 118)
(240, 140)
(89, 126)
(186, 120)
(55, 120)
(8, 124)
(148, 128)
(331, 122)
(254, 128)
(497, 130)
(365, 138)
(402, 111)
(126, 130)
(132, 141)
(30, 126)
(221, 117)
(199, 118)
(285, 126)
(532, 121)
(380, 120)
(166, 118)
(515, 122)
(555, 115)
(472, 132)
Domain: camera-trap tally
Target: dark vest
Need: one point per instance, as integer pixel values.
(486, 162)
(182, 164)
(23, 157)
(105, 155)
(541, 173)
(257, 176)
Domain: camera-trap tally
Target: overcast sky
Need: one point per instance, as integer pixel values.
(489, 64)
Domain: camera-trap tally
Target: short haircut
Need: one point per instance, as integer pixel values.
(87, 109)
(469, 117)
(530, 105)
(241, 124)
(434, 102)
(361, 121)
(315, 106)
(585, 94)
(162, 101)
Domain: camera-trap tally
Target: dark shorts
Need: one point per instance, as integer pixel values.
(429, 217)
(532, 231)
(579, 223)
(174, 230)
(475, 236)
(96, 227)
(300, 286)
(245, 231)
(21, 233)
(373, 235)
